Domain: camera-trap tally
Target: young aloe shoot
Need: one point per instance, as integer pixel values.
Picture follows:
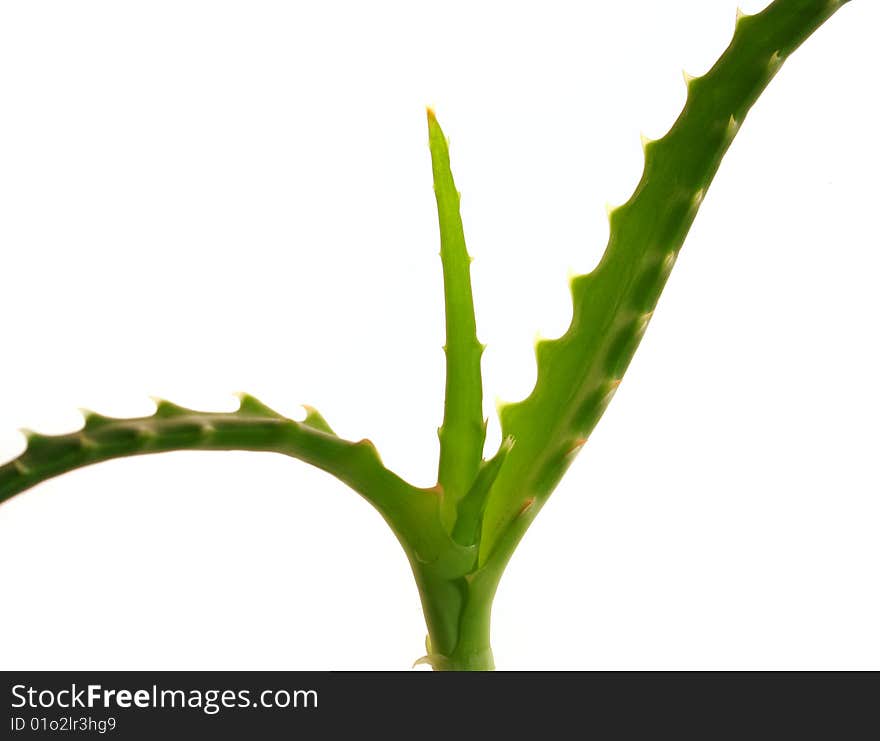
(460, 534)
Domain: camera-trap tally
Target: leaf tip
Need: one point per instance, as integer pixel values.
(435, 132)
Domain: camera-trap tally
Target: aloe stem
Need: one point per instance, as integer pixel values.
(458, 614)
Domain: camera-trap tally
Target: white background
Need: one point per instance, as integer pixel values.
(204, 197)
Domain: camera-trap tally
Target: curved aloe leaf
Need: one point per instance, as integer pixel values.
(459, 534)
(411, 512)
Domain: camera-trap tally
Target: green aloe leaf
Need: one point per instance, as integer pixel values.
(464, 429)
(579, 372)
(411, 512)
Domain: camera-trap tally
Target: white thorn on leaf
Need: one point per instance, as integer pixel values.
(732, 127)
(611, 389)
(643, 321)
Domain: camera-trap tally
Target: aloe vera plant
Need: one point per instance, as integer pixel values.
(459, 534)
